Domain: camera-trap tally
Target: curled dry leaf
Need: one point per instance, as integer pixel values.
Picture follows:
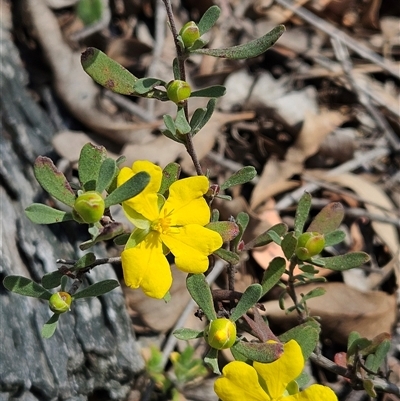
(277, 173)
(342, 309)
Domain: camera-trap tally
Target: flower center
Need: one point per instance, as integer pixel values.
(162, 225)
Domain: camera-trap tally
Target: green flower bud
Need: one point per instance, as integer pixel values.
(178, 91)
(309, 245)
(189, 33)
(60, 302)
(220, 333)
(90, 206)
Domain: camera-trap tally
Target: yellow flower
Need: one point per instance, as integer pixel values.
(175, 225)
(269, 381)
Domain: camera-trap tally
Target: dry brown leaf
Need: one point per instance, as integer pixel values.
(76, 89)
(155, 314)
(385, 231)
(342, 309)
(276, 173)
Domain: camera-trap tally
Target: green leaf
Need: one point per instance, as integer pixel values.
(25, 286)
(242, 176)
(289, 243)
(198, 44)
(242, 220)
(181, 123)
(90, 161)
(209, 112)
(201, 294)
(247, 50)
(302, 211)
(89, 11)
(52, 280)
(86, 260)
(228, 256)
(328, 219)
(306, 335)
(208, 19)
(227, 229)
(345, 262)
(379, 357)
(211, 91)
(145, 85)
(107, 72)
(175, 68)
(273, 274)
(42, 214)
(169, 123)
(334, 237)
(248, 300)
(128, 189)
(316, 292)
(171, 174)
(64, 282)
(197, 118)
(97, 289)
(260, 352)
(187, 334)
(107, 173)
(273, 234)
(53, 181)
(211, 359)
(50, 326)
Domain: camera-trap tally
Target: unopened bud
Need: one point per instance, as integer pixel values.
(90, 206)
(220, 333)
(189, 33)
(309, 245)
(178, 91)
(60, 302)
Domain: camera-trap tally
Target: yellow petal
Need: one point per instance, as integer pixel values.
(239, 382)
(278, 374)
(145, 266)
(185, 203)
(146, 203)
(191, 246)
(316, 392)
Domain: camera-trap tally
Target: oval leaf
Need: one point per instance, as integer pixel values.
(328, 219)
(43, 214)
(128, 189)
(50, 326)
(107, 173)
(302, 211)
(247, 50)
(334, 237)
(97, 289)
(209, 111)
(248, 300)
(289, 243)
(345, 262)
(52, 280)
(273, 274)
(187, 334)
(273, 234)
(171, 174)
(53, 181)
(242, 176)
(227, 229)
(201, 294)
(228, 256)
(211, 91)
(90, 161)
(209, 19)
(260, 352)
(27, 287)
(211, 359)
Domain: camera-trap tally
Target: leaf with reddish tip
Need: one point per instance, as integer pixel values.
(53, 180)
(260, 352)
(228, 230)
(328, 219)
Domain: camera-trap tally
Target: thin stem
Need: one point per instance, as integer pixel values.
(182, 73)
(291, 288)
